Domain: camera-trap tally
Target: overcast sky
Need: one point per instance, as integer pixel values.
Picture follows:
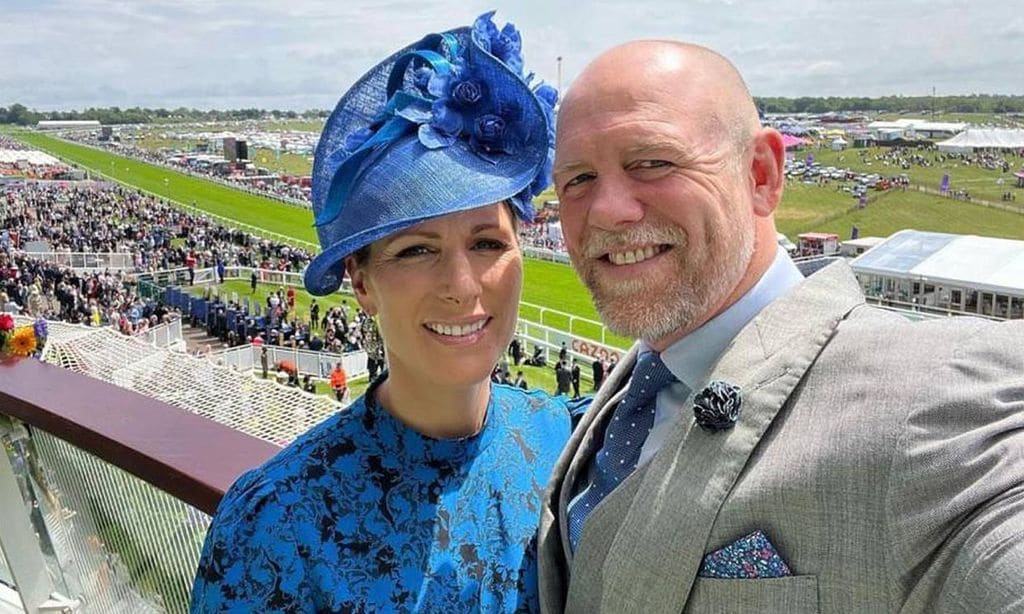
(299, 54)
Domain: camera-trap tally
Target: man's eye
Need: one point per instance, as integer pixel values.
(648, 164)
(578, 179)
(412, 251)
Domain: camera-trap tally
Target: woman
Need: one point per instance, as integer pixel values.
(424, 494)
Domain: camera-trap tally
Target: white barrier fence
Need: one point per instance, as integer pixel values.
(85, 261)
(246, 358)
(550, 341)
(168, 335)
(541, 253)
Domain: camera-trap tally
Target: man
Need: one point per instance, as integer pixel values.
(779, 445)
(339, 382)
(515, 349)
(575, 379)
(314, 315)
(563, 378)
(598, 369)
(520, 381)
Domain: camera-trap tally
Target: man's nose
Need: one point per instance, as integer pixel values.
(614, 204)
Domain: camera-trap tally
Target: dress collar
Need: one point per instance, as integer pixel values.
(416, 447)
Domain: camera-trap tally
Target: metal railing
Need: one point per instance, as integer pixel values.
(541, 253)
(97, 502)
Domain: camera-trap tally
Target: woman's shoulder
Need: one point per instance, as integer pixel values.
(539, 401)
(293, 473)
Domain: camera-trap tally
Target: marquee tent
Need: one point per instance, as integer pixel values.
(984, 138)
(789, 141)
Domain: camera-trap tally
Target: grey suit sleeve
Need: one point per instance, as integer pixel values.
(956, 492)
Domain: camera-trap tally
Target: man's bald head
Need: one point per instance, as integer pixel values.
(677, 70)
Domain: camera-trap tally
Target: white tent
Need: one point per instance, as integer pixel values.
(984, 138)
(839, 143)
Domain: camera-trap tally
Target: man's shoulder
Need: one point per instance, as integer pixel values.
(884, 335)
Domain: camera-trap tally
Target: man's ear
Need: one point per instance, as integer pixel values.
(360, 283)
(767, 172)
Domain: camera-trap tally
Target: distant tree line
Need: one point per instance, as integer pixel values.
(21, 115)
(974, 103)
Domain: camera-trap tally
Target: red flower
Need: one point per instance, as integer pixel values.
(6, 322)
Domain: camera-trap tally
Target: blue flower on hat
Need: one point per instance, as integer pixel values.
(464, 105)
(506, 45)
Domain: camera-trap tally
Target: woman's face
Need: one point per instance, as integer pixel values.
(446, 292)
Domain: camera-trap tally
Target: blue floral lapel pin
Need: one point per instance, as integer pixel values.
(717, 406)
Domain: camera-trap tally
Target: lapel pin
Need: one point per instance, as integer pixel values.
(717, 406)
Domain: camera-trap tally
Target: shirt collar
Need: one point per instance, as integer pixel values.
(691, 358)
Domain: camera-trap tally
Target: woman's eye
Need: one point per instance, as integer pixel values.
(489, 244)
(412, 251)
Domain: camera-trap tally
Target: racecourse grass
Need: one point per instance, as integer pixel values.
(212, 197)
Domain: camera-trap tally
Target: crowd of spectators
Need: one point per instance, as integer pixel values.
(40, 289)
(100, 218)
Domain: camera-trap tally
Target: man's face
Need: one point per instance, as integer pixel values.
(655, 207)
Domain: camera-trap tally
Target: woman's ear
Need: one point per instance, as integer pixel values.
(360, 285)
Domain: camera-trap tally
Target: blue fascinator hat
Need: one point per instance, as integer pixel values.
(447, 124)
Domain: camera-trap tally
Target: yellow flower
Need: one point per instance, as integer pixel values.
(23, 341)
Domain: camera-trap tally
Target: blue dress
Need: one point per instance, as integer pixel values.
(363, 514)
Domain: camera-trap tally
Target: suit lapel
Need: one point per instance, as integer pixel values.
(664, 534)
(553, 544)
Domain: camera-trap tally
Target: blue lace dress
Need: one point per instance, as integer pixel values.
(362, 514)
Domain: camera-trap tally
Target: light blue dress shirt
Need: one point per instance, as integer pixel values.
(691, 358)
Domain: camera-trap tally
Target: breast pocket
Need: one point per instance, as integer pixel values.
(790, 595)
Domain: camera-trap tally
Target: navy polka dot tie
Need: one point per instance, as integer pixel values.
(623, 439)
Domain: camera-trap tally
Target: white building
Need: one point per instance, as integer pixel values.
(945, 272)
(70, 124)
(913, 129)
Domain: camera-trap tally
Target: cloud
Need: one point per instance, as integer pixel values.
(304, 53)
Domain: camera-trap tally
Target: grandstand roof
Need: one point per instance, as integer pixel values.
(37, 158)
(982, 263)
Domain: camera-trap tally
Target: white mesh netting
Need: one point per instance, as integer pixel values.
(261, 408)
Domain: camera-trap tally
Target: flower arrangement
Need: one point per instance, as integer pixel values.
(27, 340)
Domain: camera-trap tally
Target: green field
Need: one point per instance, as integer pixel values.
(980, 182)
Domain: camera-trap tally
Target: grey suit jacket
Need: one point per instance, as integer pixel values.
(884, 458)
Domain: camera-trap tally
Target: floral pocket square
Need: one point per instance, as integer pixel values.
(748, 557)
